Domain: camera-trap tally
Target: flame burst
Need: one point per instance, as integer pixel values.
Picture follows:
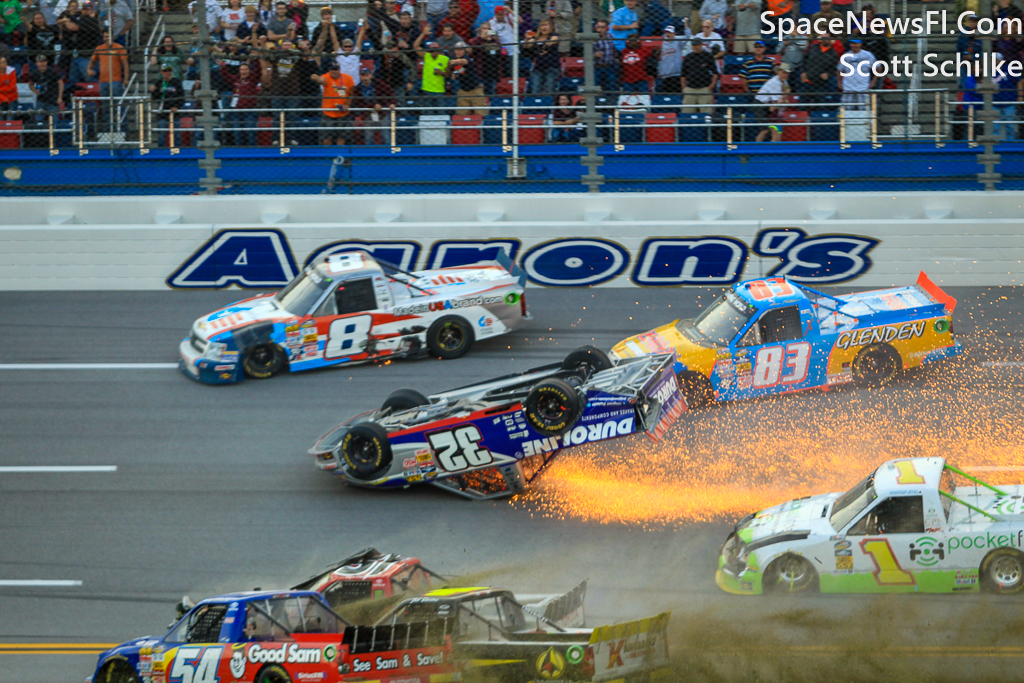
(723, 462)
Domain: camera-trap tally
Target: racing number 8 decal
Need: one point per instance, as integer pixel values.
(888, 571)
(345, 334)
(195, 665)
(768, 364)
(459, 449)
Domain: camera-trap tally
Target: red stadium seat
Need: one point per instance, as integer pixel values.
(505, 86)
(531, 129)
(25, 73)
(660, 127)
(366, 64)
(187, 124)
(572, 67)
(87, 89)
(265, 132)
(10, 134)
(794, 133)
(466, 129)
(732, 84)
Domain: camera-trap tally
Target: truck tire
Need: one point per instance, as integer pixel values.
(273, 674)
(789, 574)
(1002, 571)
(117, 671)
(263, 361)
(552, 407)
(404, 399)
(876, 365)
(588, 359)
(450, 337)
(366, 451)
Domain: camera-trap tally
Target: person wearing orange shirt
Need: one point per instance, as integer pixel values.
(111, 59)
(8, 89)
(334, 119)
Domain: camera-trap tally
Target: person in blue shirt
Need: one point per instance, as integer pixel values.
(1004, 101)
(623, 22)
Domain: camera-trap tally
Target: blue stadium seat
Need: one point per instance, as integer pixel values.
(631, 128)
(570, 84)
(666, 103)
(405, 130)
(606, 102)
(734, 63)
(534, 104)
(819, 131)
(693, 127)
(348, 29)
(501, 103)
(492, 129)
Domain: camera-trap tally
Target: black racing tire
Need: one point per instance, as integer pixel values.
(789, 574)
(450, 337)
(876, 365)
(117, 671)
(1002, 571)
(588, 359)
(263, 361)
(696, 389)
(273, 673)
(366, 451)
(404, 399)
(552, 407)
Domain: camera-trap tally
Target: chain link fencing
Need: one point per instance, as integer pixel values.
(441, 98)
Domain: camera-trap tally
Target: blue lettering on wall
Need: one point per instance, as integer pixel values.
(247, 258)
(450, 253)
(826, 259)
(668, 261)
(575, 262)
(402, 254)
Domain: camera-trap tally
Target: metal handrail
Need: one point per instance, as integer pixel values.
(149, 45)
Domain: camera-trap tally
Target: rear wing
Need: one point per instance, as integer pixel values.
(935, 292)
(505, 261)
(633, 647)
(562, 611)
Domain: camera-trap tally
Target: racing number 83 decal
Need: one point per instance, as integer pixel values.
(196, 665)
(459, 449)
(769, 367)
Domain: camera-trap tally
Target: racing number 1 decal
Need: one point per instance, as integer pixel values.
(195, 665)
(908, 473)
(459, 449)
(345, 334)
(768, 366)
(888, 571)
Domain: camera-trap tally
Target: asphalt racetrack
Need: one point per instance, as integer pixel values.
(213, 490)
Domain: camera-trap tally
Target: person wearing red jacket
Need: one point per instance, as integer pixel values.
(461, 15)
(8, 89)
(245, 90)
(376, 99)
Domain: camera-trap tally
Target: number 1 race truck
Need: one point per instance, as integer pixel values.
(908, 527)
(774, 336)
(492, 439)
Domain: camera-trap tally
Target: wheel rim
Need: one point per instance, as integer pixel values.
(1006, 571)
(551, 409)
(363, 452)
(261, 358)
(450, 337)
(876, 366)
(792, 572)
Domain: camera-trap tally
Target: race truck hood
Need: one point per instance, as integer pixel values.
(667, 339)
(805, 515)
(239, 314)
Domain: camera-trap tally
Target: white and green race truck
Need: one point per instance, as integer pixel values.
(907, 527)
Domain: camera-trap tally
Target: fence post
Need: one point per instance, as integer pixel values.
(207, 120)
(592, 162)
(988, 114)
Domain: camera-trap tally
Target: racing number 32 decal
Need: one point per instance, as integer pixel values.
(769, 368)
(195, 665)
(459, 449)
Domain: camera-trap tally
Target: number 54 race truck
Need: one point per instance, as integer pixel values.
(908, 527)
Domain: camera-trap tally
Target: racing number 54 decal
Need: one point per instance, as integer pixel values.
(459, 449)
(196, 664)
(768, 366)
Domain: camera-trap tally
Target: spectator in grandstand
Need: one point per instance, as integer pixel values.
(348, 59)
(373, 26)
(564, 120)
(461, 16)
(245, 90)
(469, 89)
(278, 81)
(213, 8)
(405, 34)
(79, 34)
(308, 90)
(168, 95)
(655, 18)
(396, 69)
(335, 119)
(231, 17)
(1005, 9)
(757, 70)
(700, 74)
(633, 60)
(856, 85)
(252, 31)
(772, 94)
(778, 9)
(1004, 101)
(48, 87)
(490, 57)
(486, 10)
(167, 54)
(377, 100)
(820, 68)
(433, 83)
(606, 59)
(542, 48)
(326, 37)
(436, 9)
(563, 19)
(670, 61)
(42, 38)
(623, 23)
(714, 44)
(447, 38)
(280, 27)
(505, 27)
(119, 20)
(715, 11)
(747, 28)
(298, 12)
(111, 61)
(12, 28)
(8, 89)
(191, 63)
(794, 49)
(266, 10)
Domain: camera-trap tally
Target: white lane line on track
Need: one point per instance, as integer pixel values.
(88, 366)
(7, 469)
(38, 583)
(1004, 364)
